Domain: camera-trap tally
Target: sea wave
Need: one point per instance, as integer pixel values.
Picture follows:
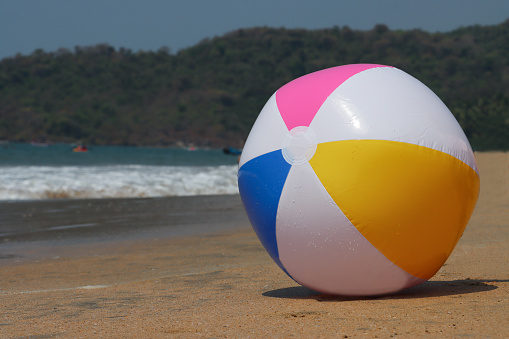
(115, 181)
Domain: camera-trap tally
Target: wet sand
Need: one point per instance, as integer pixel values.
(192, 267)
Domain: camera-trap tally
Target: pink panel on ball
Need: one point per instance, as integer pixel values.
(299, 100)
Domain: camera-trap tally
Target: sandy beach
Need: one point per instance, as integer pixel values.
(193, 267)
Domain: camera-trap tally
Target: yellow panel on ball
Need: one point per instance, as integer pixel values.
(411, 202)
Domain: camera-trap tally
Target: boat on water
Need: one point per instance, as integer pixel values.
(232, 151)
(80, 148)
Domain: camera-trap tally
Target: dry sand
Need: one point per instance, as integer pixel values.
(223, 284)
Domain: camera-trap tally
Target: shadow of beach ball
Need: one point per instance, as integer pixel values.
(358, 180)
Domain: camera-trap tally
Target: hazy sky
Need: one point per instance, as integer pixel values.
(26, 25)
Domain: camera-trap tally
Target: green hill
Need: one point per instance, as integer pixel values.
(210, 94)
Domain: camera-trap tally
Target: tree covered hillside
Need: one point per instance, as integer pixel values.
(210, 94)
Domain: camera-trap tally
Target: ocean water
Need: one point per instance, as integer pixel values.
(30, 172)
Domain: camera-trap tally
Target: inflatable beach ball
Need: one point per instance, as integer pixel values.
(358, 180)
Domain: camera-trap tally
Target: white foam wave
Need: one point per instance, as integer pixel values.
(118, 181)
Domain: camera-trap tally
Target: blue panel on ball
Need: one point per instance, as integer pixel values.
(261, 181)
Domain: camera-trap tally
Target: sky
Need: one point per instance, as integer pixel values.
(27, 25)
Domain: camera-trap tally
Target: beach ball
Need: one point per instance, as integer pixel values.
(358, 180)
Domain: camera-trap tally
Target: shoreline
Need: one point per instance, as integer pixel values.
(49, 226)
